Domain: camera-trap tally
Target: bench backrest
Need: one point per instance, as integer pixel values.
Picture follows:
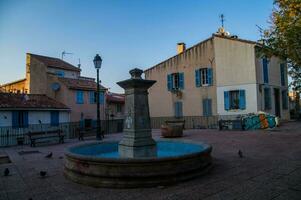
(37, 133)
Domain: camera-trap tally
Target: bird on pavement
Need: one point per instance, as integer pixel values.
(6, 172)
(49, 155)
(43, 173)
(240, 153)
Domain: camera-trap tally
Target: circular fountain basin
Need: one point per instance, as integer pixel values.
(98, 164)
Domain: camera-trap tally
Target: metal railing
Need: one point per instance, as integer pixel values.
(191, 122)
(9, 136)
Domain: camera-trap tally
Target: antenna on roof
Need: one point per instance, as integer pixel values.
(222, 17)
(65, 53)
(79, 63)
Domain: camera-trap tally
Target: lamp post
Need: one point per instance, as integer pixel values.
(97, 64)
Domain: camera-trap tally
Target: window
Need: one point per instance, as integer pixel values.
(265, 63)
(282, 74)
(235, 99)
(54, 118)
(178, 109)
(101, 98)
(267, 99)
(79, 97)
(203, 77)
(92, 97)
(118, 108)
(175, 81)
(207, 107)
(284, 99)
(19, 119)
(60, 73)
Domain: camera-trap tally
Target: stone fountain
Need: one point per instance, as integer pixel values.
(137, 160)
(137, 138)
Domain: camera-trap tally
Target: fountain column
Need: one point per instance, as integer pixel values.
(137, 139)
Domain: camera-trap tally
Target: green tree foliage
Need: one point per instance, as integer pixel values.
(283, 39)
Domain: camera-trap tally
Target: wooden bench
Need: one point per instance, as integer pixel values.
(41, 136)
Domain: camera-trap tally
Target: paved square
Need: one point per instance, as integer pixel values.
(270, 169)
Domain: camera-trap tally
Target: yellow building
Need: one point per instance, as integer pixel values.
(219, 78)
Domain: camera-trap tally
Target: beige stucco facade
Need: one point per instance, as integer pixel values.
(236, 66)
(161, 101)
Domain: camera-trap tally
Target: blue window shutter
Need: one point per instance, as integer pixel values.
(226, 100)
(209, 74)
(15, 119)
(197, 78)
(101, 97)
(25, 118)
(282, 74)
(79, 97)
(54, 118)
(181, 81)
(178, 109)
(265, 70)
(92, 97)
(169, 82)
(242, 99)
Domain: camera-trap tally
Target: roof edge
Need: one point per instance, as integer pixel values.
(206, 40)
(16, 81)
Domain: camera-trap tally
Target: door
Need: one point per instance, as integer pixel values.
(277, 102)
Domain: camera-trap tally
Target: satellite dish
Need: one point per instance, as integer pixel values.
(55, 86)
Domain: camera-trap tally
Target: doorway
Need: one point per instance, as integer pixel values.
(277, 102)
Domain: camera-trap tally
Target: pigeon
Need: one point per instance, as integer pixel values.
(240, 153)
(6, 172)
(43, 173)
(49, 155)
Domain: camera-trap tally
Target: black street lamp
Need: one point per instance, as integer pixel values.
(97, 64)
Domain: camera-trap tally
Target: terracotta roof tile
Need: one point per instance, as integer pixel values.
(80, 84)
(55, 62)
(28, 101)
(115, 98)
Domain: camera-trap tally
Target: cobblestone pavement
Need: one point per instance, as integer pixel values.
(271, 169)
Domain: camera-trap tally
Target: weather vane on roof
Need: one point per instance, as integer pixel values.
(222, 17)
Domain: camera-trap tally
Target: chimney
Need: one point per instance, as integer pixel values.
(181, 47)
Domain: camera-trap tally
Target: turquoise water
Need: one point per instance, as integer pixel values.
(164, 149)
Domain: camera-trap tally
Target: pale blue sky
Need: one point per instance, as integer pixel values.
(127, 34)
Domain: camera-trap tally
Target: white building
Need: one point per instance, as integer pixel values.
(22, 110)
